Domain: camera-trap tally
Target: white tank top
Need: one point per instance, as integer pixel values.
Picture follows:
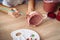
(50, 1)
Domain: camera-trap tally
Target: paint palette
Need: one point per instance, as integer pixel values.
(25, 34)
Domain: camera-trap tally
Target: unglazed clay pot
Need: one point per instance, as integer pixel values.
(50, 5)
(35, 18)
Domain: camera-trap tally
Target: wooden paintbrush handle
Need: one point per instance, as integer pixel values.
(11, 11)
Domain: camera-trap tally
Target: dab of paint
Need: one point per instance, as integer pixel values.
(18, 34)
(32, 35)
(51, 15)
(22, 13)
(58, 15)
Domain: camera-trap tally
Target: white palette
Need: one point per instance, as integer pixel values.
(25, 33)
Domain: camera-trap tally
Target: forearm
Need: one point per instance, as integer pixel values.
(31, 5)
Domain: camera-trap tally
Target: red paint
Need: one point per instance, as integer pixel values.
(51, 15)
(58, 15)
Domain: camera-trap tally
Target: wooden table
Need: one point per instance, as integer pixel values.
(48, 30)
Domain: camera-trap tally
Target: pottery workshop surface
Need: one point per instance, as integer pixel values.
(48, 30)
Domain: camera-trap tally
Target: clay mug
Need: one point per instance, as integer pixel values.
(36, 18)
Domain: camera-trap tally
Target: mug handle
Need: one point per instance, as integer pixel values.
(44, 16)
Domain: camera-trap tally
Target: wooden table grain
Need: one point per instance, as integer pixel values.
(48, 30)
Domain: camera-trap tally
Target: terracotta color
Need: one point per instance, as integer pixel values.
(50, 7)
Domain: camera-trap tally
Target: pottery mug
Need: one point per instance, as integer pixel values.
(50, 5)
(35, 18)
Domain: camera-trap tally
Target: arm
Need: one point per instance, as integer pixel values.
(31, 5)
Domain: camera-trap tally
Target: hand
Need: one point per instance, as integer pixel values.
(14, 13)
